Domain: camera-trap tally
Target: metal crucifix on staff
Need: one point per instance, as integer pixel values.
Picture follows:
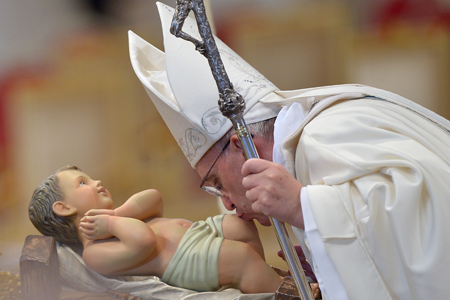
(232, 106)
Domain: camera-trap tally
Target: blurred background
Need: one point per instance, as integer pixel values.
(68, 94)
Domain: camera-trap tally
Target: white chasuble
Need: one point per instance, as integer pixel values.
(377, 179)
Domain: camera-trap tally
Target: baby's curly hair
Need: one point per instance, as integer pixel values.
(41, 213)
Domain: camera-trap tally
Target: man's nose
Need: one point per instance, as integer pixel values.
(229, 205)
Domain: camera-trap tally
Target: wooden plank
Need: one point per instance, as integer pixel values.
(287, 290)
(39, 269)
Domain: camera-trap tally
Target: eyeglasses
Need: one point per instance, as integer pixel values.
(205, 185)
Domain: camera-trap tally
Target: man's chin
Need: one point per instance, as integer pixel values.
(264, 220)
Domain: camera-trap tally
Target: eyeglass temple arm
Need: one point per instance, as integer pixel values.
(232, 105)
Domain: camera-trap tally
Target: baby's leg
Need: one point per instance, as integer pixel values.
(237, 229)
(242, 266)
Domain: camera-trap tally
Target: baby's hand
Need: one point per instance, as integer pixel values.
(95, 212)
(95, 227)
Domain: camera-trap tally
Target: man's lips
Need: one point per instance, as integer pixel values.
(262, 219)
(244, 216)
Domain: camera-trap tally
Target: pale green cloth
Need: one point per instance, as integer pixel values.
(195, 262)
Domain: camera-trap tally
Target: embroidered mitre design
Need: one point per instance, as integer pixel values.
(183, 89)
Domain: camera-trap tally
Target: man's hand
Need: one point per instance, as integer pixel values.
(273, 191)
(95, 227)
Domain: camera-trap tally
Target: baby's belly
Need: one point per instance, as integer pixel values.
(169, 233)
(172, 230)
(182, 222)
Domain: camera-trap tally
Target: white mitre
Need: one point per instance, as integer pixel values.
(182, 87)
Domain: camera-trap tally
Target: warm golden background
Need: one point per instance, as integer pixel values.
(68, 94)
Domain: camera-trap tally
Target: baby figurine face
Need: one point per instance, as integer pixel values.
(83, 193)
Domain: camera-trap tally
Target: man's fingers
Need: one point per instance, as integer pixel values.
(253, 166)
(248, 182)
(259, 206)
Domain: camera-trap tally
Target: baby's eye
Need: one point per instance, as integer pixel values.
(82, 183)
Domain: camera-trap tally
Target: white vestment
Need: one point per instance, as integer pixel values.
(376, 170)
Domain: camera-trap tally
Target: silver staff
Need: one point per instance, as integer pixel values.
(232, 106)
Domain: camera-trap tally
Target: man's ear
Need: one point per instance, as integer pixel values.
(63, 209)
(235, 142)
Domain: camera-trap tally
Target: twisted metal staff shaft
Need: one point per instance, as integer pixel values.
(232, 105)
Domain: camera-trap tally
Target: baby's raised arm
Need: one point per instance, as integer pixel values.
(144, 205)
(119, 239)
(117, 243)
